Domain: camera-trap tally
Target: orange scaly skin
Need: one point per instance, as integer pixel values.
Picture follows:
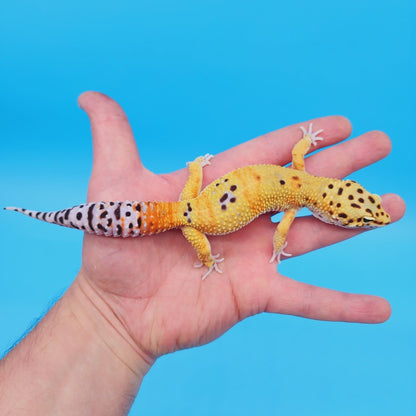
(231, 202)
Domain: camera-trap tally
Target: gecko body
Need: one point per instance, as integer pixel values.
(229, 203)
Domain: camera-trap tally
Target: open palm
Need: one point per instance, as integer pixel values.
(150, 283)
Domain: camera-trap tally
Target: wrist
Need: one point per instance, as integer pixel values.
(78, 360)
(97, 318)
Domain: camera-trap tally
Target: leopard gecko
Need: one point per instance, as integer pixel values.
(229, 203)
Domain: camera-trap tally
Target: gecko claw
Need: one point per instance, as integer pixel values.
(202, 160)
(277, 254)
(213, 267)
(313, 137)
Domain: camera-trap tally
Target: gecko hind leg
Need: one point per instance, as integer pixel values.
(194, 182)
(202, 246)
(198, 239)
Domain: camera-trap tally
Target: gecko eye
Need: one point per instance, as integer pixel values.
(368, 219)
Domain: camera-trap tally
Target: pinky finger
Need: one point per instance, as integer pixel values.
(291, 297)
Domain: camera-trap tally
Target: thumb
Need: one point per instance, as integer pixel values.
(114, 147)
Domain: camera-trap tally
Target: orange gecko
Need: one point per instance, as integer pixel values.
(229, 203)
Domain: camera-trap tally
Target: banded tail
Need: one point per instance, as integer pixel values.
(113, 219)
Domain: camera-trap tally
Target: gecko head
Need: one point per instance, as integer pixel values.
(348, 204)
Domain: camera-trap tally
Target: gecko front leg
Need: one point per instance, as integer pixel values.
(298, 162)
(303, 145)
(279, 238)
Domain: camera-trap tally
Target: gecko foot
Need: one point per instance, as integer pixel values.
(203, 160)
(313, 137)
(213, 267)
(277, 254)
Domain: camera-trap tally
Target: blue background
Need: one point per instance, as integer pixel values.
(210, 75)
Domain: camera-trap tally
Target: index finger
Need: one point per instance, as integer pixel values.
(276, 147)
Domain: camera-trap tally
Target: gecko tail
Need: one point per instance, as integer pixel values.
(53, 217)
(111, 219)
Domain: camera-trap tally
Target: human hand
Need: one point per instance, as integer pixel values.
(150, 283)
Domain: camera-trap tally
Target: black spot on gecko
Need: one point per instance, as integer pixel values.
(119, 230)
(131, 225)
(109, 222)
(282, 182)
(232, 200)
(67, 214)
(295, 178)
(224, 207)
(75, 226)
(189, 207)
(100, 227)
(61, 220)
(324, 195)
(55, 218)
(189, 220)
(342, 215)
(111, 203)
(226, 180)
(91, 216)
(139, 222)
(361, 200)
(30, 214)
(79, 215)
(128, 213)
(44, 216)
(233, 188)
(360, 191)
(369, 211)
(330, 186)
(117, 211)
(103, 214)
(331, 202)
(101, 206)
(348, 184)
(338, 205)
(371, 199)
(185, 214)
(224, 197)
(340, 190)
(350, 197)
(138, 207)
(354, 205)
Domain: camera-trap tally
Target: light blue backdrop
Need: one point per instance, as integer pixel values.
(213, 74)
